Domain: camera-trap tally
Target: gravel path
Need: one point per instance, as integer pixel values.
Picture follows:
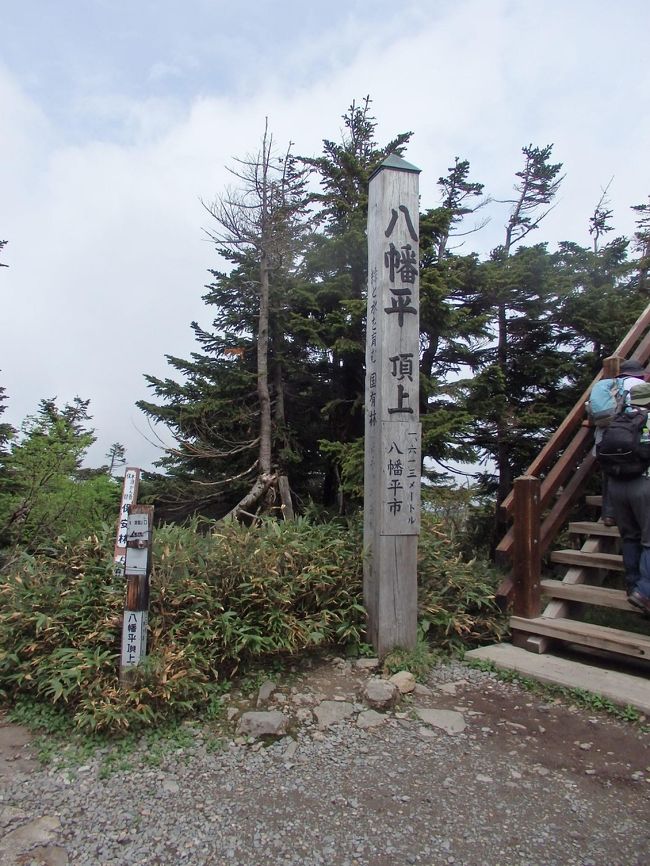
(524, 783)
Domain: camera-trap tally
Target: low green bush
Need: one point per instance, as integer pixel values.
(457, 607)
(223, 597)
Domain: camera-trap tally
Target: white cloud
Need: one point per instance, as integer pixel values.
(107, 257)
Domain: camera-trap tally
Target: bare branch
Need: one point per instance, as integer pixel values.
(192, 448)
(229, 480)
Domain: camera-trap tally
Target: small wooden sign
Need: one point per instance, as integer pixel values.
(400, 501)
(129, 498)
(138, 535)
(134, 637)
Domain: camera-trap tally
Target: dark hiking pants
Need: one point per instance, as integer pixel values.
(630, 501)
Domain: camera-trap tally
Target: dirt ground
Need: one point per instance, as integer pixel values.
(554, 733)
(529, 781)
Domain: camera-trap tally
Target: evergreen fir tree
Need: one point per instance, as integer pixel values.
(230, 415)
(43, 491)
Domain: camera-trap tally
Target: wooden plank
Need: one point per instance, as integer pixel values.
(624, 350)
(558, 608)
(621, 688)
(597, 595)
(505, 591)
(642, 351)
(594, 500)
(609, 561)
(559, 473)
(588, 527)
(574, 576)
(559, 512)
(527, 563)
(597, 636)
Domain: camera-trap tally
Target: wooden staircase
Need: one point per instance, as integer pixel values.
(540, 508)
(582, 585)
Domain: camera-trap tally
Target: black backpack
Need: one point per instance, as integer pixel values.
(624, 450)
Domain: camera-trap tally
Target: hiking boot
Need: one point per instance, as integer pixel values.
(641, 601)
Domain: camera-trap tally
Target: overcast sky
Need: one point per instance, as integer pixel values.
(117, 117)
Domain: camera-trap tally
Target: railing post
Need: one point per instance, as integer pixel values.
(527, 564)
(611, 366)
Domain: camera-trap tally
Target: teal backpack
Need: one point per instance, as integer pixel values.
(608, 397)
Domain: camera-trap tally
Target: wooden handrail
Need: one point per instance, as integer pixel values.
(560, 474)
(574, 419)
(559, 513)
(566, 456)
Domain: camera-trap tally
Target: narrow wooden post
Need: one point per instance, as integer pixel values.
(611, 367)
(527, 564)
(136, 608)
(392, 430)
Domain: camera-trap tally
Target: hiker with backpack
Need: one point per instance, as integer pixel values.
(623, 452)
(607, 399)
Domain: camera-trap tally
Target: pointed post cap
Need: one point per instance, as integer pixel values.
(397, 164)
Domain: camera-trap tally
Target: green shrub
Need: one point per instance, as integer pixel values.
(219, 601)
(456, 596)
(417, 661)
(223, 597)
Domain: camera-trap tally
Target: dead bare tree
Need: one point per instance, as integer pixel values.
(264, 213)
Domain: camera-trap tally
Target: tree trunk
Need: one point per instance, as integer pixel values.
(257, 491)
(263, 370)
(503, 464)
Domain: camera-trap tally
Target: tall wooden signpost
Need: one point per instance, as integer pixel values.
(136, 570)
(133, 561)
(392, 428)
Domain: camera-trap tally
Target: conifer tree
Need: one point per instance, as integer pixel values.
(642, 244)
(603, 295)
(453, 316)
(230, 413)
(517, 301)
(6, 430)
(333, 280)
(314, 371)
(42, 494)
(116, 456)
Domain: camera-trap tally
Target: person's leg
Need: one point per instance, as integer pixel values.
(607, 509)
(632, 552)
(641, 592)
(640, 502)
(622, 498)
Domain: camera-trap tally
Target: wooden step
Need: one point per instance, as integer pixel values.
(623, 689)
(583, 633)
(597, 595)
(587, 527)
(594, 500)
(609, 561)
